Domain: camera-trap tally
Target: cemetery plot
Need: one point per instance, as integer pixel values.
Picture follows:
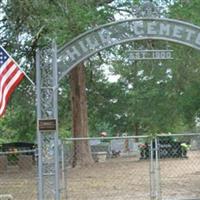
(128, 178)
(123, 177)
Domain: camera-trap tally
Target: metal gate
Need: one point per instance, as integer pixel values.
(118, 171)
(135, 168)
(180, 166)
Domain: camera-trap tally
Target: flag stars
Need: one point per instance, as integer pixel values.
(3, 56)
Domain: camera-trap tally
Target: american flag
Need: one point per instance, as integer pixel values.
(10, 77)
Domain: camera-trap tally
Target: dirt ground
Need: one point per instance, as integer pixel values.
(128, 178)
(115, 179)
(18, 185)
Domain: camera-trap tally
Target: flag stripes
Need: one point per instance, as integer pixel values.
(10, 77)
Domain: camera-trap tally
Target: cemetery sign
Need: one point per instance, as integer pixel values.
(119, 32)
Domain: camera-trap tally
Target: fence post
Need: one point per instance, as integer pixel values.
(155, 193)
(64, 186)
(152, 172)
(47, 124)
(157, 170)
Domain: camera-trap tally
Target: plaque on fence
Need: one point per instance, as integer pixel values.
(47, 124)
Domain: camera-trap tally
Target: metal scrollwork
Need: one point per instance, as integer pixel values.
(46, 84)
(47, 110)
(147, 9)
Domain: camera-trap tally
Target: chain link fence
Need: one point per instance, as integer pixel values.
(116, 169)
(180, 166)
(165, 168)
(18, 175)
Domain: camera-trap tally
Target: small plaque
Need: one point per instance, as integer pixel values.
(150, 54)
(47, 124)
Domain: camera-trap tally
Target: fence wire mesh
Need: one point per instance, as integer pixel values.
(116, 170)
(180, 166)
(18, 175)
(167, 168)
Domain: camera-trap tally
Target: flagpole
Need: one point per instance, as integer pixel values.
(20, 68)
(25, 73)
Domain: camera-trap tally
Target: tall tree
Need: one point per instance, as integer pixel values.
(82, 154)
(39, 22)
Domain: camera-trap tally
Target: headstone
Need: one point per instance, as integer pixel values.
(195, 143)
(100, 156)
(124, 147)
(95, 142)
(117, 145)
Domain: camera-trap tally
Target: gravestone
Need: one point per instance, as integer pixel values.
(124, 147)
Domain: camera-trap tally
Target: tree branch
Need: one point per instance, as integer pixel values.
(120, 9)
(103, 2)
(36, 37)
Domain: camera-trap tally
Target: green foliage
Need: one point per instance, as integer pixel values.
(27, 25)
(19, 122)
(102, 126)
(149, 97)
(186, 11)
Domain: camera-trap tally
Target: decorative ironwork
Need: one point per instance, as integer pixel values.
(47, 110)
(147, 9)
(46, 84)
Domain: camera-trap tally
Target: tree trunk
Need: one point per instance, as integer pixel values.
(82, 152)
(136, 128)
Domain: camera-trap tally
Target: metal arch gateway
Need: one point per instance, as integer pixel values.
(52, 65)
(119, 32)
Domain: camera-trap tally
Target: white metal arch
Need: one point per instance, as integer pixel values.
(105, 36)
